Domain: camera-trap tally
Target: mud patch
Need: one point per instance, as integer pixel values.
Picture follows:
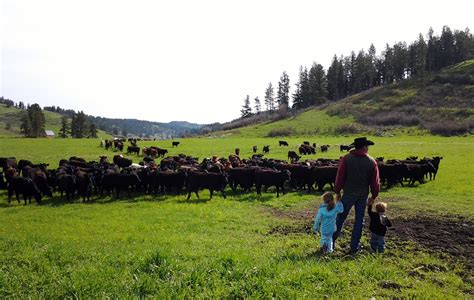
(450, 235)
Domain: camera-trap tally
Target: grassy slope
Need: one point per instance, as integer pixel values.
(165, 245)
(13, 116)
(427, 98)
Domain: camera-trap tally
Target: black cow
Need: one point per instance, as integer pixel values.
(66, 184)
(237, 151)
(283, 143)
(293, 157)
(121, 161)
(254, 149)
(8, 162)
(324, 148)
(174, 144)
(203, 180)
(306, 143)
(161, 152)
(133, 149)
(245, 177)
(344, 148)
(118, 182)
(3, 183)
(325, 175)
(168, 180)
(266, 149)
(391, 174)
(84, 185)
(269, 177)
(26, 187)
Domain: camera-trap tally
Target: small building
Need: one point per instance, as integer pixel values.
(49, 133)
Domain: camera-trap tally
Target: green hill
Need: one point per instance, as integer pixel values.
(12, 116)
(440, 103)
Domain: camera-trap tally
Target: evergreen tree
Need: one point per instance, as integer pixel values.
(63, 132)
(300, 97)
(8, 126)
(270, 98)
(283, 97)
(400, 58)
(317, 86)
(92, 131)
(258, 105)
(78, 125)
(246, 110)
(25, 127)
(388, 75)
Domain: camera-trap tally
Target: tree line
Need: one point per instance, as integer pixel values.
(354, 73)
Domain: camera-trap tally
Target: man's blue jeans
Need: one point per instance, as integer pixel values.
(360, 203)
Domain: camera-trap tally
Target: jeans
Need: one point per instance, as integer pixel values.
(377, 242)
(326, 243)
(360, 203)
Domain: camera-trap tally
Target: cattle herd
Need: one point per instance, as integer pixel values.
(172, 174)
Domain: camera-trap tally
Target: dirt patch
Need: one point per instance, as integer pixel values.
(452, 235)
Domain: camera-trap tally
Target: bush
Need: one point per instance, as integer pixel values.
(391, 118)
(347, 129)
(449, 128)
(287, 131)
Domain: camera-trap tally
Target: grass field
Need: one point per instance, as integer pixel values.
(245, 245)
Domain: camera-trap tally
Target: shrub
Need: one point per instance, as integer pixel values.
(449, 128)
(347, 129)
(391, 118)
(287, 131)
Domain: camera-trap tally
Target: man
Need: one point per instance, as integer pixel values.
(357, 171)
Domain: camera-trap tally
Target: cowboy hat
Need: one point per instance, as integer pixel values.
(360, 142)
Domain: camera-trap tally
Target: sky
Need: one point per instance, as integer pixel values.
(190, 60)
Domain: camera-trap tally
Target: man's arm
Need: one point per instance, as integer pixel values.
(341, 176)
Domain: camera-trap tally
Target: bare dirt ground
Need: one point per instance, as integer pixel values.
(453, 235)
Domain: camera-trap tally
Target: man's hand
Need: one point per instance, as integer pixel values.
(370, 201)
(338, 197)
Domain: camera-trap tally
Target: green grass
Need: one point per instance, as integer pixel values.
(166, 246)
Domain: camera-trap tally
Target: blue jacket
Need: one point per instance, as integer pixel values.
(326, 220)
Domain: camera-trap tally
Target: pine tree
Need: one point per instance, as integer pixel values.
(63, 132)
(246, 110)
(283, 97)
(317, 85)
(269, 98)
(25, 127)
(300, 97)
(92, 131)
(78, 125)
(258, 105)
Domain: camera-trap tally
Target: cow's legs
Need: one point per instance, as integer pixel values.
(222, 192)
(211, 191)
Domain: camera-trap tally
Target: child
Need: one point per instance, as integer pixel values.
(378, 226)
(326, 220)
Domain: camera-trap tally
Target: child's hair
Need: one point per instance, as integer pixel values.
(328, 198)
(381, 207)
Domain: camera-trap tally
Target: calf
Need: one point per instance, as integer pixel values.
(324, 148)
(282, 143)
(293, 157)
(266, 149)
(174, 144)
(168, 180)
(254, 149)
(269, 177)
(84, 185)
(161, 152)
(344, 148)
(26, 187)
(202, 180)
(66, 184)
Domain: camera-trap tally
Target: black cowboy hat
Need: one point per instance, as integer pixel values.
(360, 142)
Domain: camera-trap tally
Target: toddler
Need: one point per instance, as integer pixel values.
(325, 220)
(378, 226)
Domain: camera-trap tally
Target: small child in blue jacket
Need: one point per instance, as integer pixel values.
(325, 220)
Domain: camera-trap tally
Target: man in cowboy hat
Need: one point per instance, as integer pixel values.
(356, 173)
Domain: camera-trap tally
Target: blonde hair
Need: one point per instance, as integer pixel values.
(328, 198)
(381, 207)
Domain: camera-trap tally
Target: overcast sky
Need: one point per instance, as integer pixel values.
(190, 60)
